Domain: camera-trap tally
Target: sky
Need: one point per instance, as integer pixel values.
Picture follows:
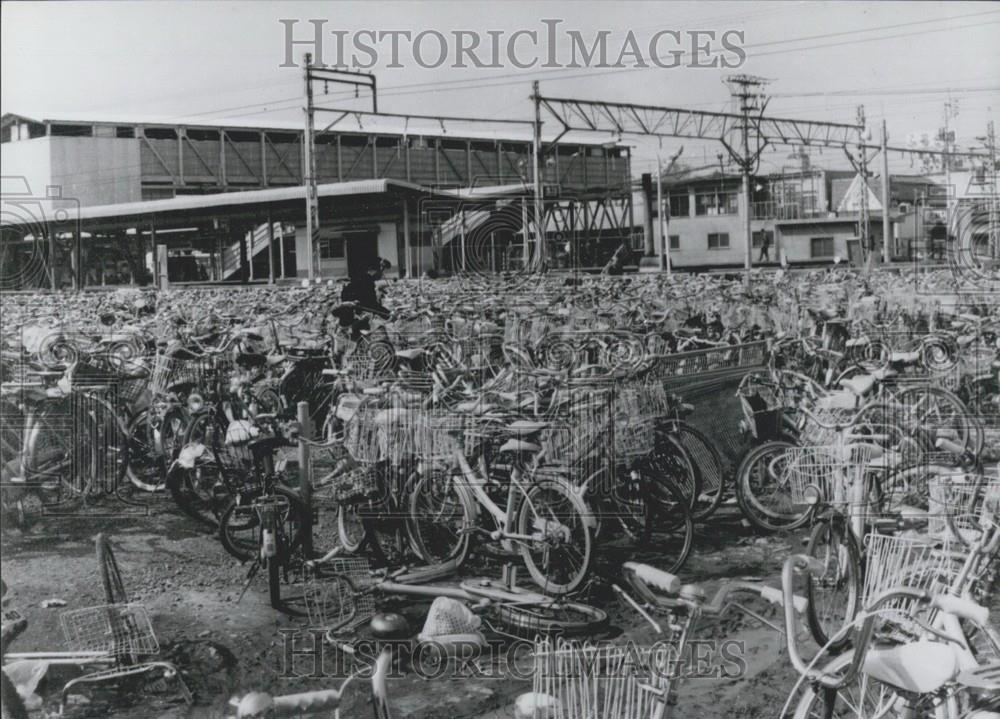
(217, 60)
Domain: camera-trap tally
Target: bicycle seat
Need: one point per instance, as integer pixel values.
(905, 357)
(275, 359)
(860, 385)
(920, 667)
(525, 428)
(519, 446)
(410, 354)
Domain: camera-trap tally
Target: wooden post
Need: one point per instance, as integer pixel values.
(305, 480)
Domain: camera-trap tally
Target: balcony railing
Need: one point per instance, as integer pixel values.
(771, 210)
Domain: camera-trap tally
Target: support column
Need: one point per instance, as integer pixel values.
(244, 273)
(53, 258)
(270, 250)
(886, 198)
(406, 239)
(76, 259)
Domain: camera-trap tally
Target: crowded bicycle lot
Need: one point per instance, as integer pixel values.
(588, 468)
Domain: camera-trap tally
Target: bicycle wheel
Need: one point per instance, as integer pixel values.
(239, 530)
(559, 555)
(861, 699)
(439, 518)
(708, 464)
(835, 596)
(351, 528)
(111, 577)
(562, 618)
(761, 495)
(146, 466)
(670, 527)
(670, 462)
(936, 408)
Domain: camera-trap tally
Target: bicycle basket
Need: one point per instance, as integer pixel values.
(914, 562)
(335, 605)
(119, 630)
(956, 505)
(601, 682)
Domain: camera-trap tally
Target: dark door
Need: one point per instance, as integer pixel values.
(362, 251)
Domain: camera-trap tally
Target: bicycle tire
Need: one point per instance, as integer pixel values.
(834, 531)
(668, 502)
(146, 468)
(111, 577)
(812, 702)
(452, 501)
(754, 462)
(574, 506)
(671, 462)
(185, 486)
(351, 539)
(239, 547)
(562, 618)
(707, 461)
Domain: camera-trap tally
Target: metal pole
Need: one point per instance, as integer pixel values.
(464, 268)
(865, 229)
(312, 212)
(661, 219)
(539, 220)
(305, 480)
(886, 224)
(406, 239)
(281, 242)
(54, 257)
(270, 250)
(747, 229)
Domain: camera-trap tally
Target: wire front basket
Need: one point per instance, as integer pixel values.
(119, 630)
(574, 681)
(913, 562)
(335, 605)
(957, 505)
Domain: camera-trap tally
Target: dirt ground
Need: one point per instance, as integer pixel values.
(225, 646)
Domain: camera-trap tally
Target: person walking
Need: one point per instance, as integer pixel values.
(765, 248)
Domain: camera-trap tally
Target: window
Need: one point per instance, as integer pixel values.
(759, 235)
(680, 205)
(72, 131)
(675, 242)
(820, 247)
(716, 203)
(331, 248)
(160, 133)
(718, 240)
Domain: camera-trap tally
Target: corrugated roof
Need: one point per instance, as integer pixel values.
(234, 199)
(361, 123)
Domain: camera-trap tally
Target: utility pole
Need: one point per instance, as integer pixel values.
(539, 209)
(886, 224)
(746, 89)
(326, 76)
(312, 202)
(864, 232)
